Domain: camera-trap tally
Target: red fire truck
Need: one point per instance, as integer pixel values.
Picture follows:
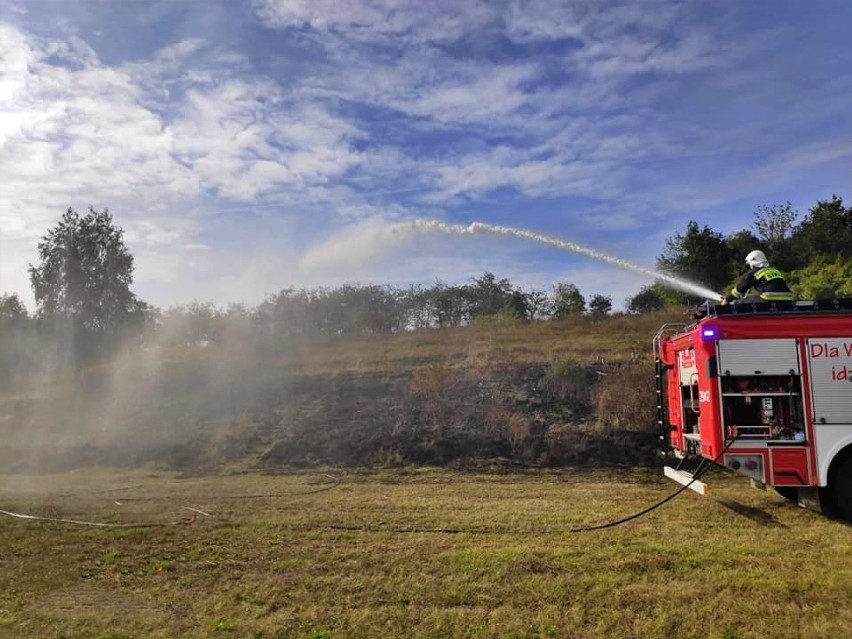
(764, 390)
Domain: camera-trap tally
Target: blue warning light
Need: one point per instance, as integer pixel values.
(708, 332)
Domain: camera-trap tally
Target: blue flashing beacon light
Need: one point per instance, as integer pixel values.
(708, 333)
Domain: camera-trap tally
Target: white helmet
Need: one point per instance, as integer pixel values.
(756, 259)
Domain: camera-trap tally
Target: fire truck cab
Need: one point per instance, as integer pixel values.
(764, 390)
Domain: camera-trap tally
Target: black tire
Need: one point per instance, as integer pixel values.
(788, 492)
(840, 488)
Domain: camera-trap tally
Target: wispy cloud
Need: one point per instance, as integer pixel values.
(443, 73)
(369, 20)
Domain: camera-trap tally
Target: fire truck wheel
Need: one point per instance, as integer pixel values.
(788, 492)
(841, 488)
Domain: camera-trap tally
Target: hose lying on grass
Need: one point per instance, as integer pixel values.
(79, 522)
(702, 468)
(185, 521)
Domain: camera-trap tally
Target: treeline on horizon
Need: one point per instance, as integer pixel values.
(86, 308)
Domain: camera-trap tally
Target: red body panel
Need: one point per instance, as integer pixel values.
(695, 398)
(789, 467)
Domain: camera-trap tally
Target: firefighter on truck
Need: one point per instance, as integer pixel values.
(769, 283)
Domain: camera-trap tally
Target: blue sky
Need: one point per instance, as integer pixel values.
(236, 141)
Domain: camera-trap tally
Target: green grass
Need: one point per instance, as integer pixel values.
(416, 553)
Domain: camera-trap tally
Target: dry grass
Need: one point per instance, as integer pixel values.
(417, 553)
(583, 339)
(622, 397)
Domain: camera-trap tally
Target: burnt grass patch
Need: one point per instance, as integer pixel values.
(445, 415)
(486, 415)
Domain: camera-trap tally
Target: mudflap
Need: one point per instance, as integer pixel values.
(807, 497)
(810, 498)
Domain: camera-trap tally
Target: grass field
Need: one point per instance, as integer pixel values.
(415, 553)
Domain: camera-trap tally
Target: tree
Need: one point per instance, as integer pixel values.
(600, 305)
(450, 304)
(84, 276)
(19, 347)
(490, 296)
(538, 304)
(774, 226)
(416, 308)
(284, 314)
(741, 244)
(645, 301)
(12, 309)
(567, 300)
(518, 306)
(700, 255)
(826, 230)
(823, 278)
(368, 309)
(196, 324)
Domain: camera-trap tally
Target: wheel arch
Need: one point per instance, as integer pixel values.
(842, 452)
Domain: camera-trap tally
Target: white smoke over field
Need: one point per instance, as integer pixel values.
(165, 396)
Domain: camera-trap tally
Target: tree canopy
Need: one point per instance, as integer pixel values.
(83, 278)
(823, 278)
(826, 230)
(700, 255)
(12, 309)
(567, 300)
(647, 300)
(600, 305)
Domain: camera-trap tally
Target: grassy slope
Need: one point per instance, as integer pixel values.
(324, 398)
(579, 338)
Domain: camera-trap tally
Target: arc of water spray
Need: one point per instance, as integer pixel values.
(481, 227)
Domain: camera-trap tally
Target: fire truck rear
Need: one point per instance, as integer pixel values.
(764, 390)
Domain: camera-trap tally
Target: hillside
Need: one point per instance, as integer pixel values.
(497, 392)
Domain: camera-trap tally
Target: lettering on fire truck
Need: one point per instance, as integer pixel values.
(841, 371)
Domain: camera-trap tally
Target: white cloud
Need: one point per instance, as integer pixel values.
(481, 94)
(82, 128)
(432, 21)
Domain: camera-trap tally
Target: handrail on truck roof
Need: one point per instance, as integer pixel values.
(671, 328)
(834, 306)
(839, 305)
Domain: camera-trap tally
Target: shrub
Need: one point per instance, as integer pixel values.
(624, 398)
(568, 383)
